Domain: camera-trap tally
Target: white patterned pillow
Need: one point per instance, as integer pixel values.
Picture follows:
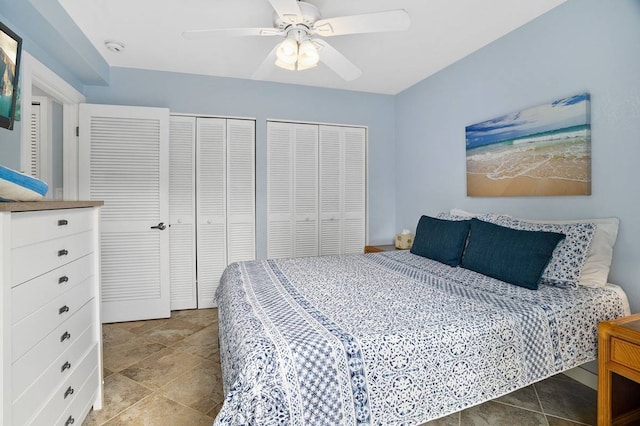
(568, 258)
(595, 271)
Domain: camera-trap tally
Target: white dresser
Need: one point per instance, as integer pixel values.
(51, 343)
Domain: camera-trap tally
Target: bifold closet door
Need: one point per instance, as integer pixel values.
(240, 190)
(211, 201)
(212, 192)
(354, 199)
(123, 156)
(182, 212)
(292, 188)
(342, 190)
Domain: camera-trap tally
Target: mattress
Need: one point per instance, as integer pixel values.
(390, 338)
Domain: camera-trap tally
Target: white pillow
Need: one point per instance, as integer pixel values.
(596, 267)
(464, 213)
(16, 186)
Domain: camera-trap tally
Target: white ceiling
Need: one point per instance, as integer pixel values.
(441, 33)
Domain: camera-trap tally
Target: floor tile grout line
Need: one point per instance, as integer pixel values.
(136, 362)
(535, 390)
(569, 420)
(125, 409)
(517, 406)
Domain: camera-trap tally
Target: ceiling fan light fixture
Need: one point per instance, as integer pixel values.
(308, 56)
(286, 65)
(288, 51)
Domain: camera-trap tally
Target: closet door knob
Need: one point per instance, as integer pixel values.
(63, 252)
(63, 222)
(161, 226)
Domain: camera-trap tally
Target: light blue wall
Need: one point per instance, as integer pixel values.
(193, 94)
(43, 41)
(581, 46)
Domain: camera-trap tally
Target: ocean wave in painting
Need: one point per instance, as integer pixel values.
(558, 154)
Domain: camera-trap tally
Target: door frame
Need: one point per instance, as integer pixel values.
(35, 72)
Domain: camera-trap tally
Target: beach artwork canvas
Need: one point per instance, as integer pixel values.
(545, 150)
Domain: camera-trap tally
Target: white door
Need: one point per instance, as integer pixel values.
(354, 202)
(305, 189)
(279, 190)
(123, 160)
(211, 228)
(342, 189)
(240, 190)
(182, 212)
(292, 188)
(331, 190)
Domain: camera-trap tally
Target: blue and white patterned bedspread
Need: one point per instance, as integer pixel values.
(389, 338)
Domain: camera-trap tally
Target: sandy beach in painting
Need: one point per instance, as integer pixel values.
(545, 167)
(480, 185)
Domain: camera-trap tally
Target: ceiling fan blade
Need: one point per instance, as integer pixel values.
(230, 32)
(287, 10)
(392, 20)
(266, 66)
(336, 61)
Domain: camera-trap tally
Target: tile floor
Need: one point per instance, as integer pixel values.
(167, 372)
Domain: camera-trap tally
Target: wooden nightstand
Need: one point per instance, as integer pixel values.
(619, 371)
(379, 248)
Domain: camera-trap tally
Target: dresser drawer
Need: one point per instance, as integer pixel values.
(29, 331)
(32, 227)
(32, 388)
(625, 353)
(53, 344)
(62, 397)
(80, 406)
(28, 262)
(30, 296)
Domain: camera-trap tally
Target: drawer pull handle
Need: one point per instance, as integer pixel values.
(65, 336)
(63, 222)
(63, 279)
(68, 392)
(70, 421)
(65, 366)
(62, 310)
(63, 252)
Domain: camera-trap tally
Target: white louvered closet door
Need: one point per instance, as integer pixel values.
(331, 192)
(123, 157)
(279, 190)
(305, 189)
(211, 198)
(240, 190)
(354, 203)
(182, 212)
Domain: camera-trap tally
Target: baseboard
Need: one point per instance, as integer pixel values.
(583, 376)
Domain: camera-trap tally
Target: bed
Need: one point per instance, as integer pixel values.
(391, 338)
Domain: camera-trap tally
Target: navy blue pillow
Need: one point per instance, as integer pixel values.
(441, 240)
(511, 255)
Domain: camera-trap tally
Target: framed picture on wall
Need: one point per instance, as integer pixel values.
(540, 151)
(10, 47)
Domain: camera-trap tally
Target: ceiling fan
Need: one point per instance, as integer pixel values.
(301, 25)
